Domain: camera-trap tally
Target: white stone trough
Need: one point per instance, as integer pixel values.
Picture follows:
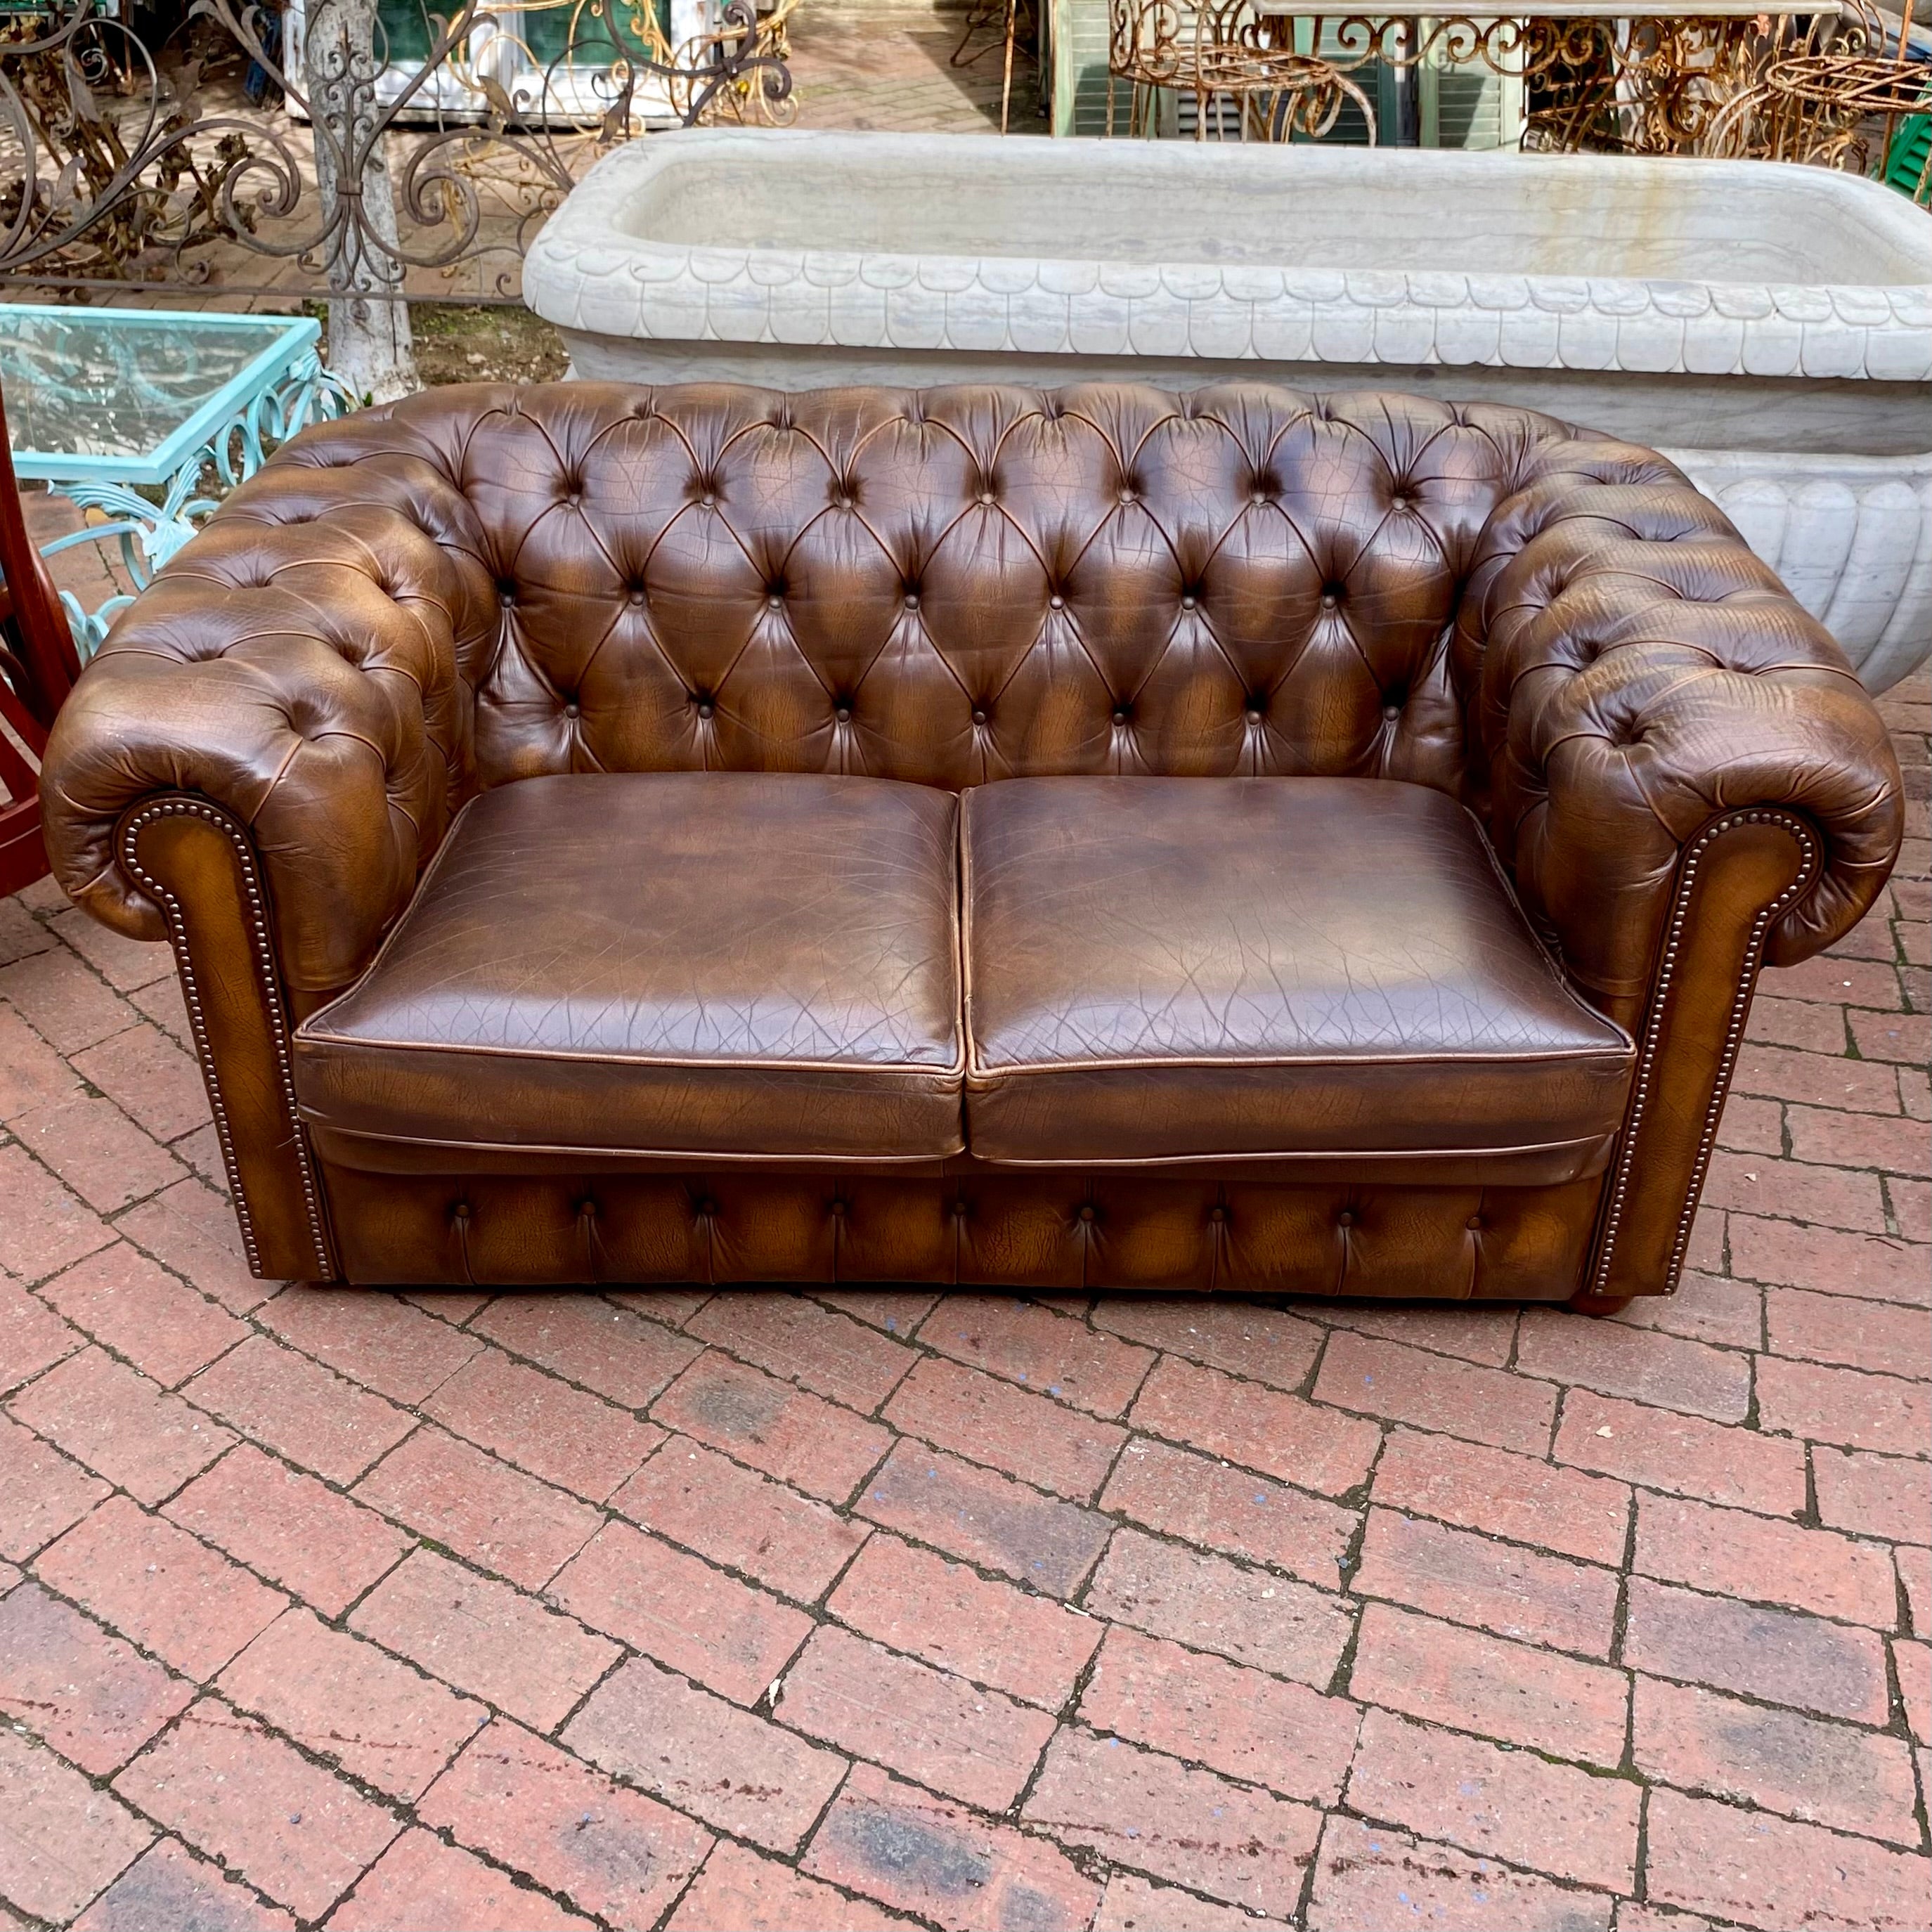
(1768, 326)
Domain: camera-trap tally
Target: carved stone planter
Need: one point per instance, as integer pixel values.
(1769, 327)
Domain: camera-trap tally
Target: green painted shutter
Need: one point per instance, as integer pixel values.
(1474, 108)
(1905, 166)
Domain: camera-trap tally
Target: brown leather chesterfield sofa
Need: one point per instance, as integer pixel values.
(1096, 839)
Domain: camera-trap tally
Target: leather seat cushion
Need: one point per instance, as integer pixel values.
(1170, 969)
(722, 963)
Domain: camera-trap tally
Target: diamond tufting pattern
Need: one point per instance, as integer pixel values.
(962, 586)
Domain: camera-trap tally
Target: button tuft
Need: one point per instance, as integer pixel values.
(1345, 1219)
(979, 717)
(1120, 715)
(844, 714)
(1087, 1212)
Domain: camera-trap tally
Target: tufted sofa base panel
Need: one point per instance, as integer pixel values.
(1044, 1231)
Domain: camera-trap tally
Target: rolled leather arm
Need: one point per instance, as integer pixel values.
(1634, 672)
(296, 665)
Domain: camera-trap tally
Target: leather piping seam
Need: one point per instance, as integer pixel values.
(410, 899)
(308, 1036)
(1549, 959)
(257, 917)
(700, 1156)
(969, 1039)
(1810, 857)
(1621, 1057)
(1285, 1155)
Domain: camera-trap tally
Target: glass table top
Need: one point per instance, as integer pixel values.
(130, 393)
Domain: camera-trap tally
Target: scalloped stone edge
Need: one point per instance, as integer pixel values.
(590, 270)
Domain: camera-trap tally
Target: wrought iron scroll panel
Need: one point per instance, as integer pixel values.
(188, 157)
(1654, 83)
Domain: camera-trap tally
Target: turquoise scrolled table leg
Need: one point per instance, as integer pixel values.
(150, 531)
(306, 393)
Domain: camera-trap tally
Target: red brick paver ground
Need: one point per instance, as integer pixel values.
(368, 1610)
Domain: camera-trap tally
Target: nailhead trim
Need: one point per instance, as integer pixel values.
(278, 1031)
(1734, 1030)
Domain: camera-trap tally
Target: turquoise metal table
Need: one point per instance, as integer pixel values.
(148, 416)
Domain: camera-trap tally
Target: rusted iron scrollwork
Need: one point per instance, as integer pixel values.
(1672, 85)
(1833, 110)
(1230, 55)
(1654, 82)
(183, 164)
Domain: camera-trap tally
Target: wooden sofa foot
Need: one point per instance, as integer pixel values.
(1599, 1304)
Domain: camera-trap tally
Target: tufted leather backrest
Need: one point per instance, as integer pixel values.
(949, 586)
(481, 584)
